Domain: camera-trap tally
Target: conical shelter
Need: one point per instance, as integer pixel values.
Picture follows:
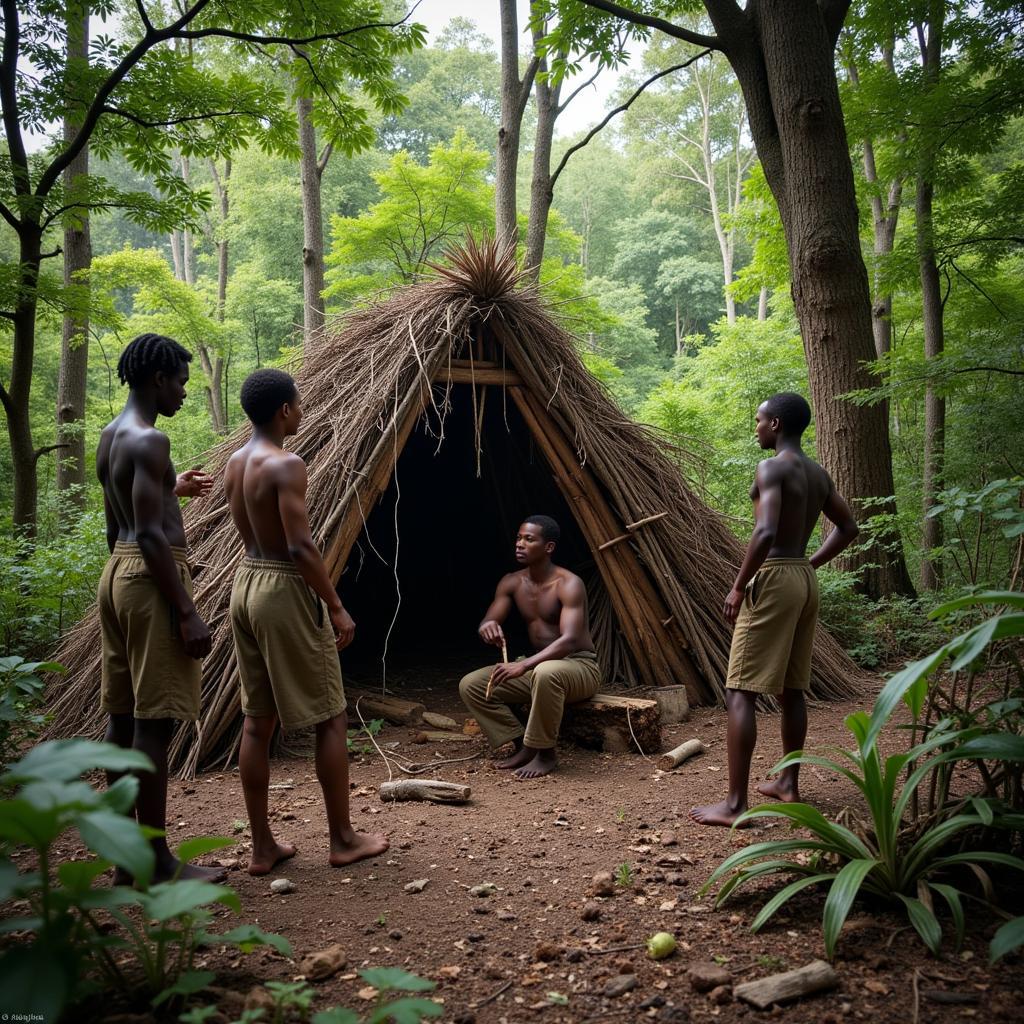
(435, 422)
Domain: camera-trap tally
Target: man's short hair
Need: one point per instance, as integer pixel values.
(264, 392)
(791, 410)
(549, 529)
(149, 354)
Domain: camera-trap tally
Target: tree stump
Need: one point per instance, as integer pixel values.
(604, 723)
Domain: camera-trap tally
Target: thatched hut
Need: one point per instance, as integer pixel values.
(434, 422)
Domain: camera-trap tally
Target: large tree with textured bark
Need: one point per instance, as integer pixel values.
(783, 54)
(138, 96)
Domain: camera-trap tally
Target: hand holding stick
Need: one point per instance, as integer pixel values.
(504, 658)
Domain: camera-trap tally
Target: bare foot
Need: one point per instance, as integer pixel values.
(175, 871)
(717, 814)
(543, 763)
(263, 862)
(356, 846)
(522, 756)
(780, 789)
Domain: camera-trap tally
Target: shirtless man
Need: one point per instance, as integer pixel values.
(152, 637)
(286, 646)
(774, 601)
(564, 669)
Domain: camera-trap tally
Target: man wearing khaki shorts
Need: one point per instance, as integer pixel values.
(153, 639)
(564, 669)
(774, 601)
(288, 624)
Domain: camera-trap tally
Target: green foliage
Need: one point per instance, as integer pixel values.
(452, 86)
(420, 210)
(45, 588)
(713, 396)
(371, 728)
(21, 701)
(984, 528)
(874, 633)
(72, 946)
(624, 875)
(906, 863)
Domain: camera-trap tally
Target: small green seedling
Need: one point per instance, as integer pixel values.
(624, 875)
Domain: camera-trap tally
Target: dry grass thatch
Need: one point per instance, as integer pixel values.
(361, 380)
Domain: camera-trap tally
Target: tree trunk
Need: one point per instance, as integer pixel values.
(223, 185)
(74, 356)
(179, 267)
(762, 303)
(313, 315)
(541, 188)
(16, 398)
(783, 57)
(210, 361)
(515, 92)
(932, 314)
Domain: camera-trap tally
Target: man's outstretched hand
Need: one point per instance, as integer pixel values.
(193, 483)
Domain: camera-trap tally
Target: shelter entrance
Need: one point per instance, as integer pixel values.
(425, 565)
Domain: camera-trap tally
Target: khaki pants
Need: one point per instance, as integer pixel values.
(774, 635)
(284, 644)
(547, 689)
(145, 670)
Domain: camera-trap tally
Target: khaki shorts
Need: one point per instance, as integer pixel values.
(284, 644)
(774, 636)
(146, 672)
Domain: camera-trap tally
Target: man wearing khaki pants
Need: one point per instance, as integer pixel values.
(564, 669)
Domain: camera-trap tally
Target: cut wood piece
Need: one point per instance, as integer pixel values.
(672, 700)
(439, 721)
(604, 723)
(780, 988)
(424, 789)
(391, 709)
(430, 736)
(677, 755)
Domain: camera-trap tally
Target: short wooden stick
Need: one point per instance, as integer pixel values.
(432, 790)
(780, 988)
(677, 755)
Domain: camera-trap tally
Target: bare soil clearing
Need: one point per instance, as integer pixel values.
(497, 956)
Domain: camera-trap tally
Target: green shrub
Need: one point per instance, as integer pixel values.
(45, 588)
(21, 701)
(899, 856)
(72, 944)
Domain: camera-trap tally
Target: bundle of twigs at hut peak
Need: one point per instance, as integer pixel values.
(365, 379)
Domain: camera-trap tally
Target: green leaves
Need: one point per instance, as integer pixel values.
(840, 898)
(386, 979)
(169, 900)
(61, 760)
(884, 855)
(118, 839)
(1009, 937)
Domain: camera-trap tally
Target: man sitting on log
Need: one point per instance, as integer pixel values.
(288, 625)
(564, 669)
(774, 601)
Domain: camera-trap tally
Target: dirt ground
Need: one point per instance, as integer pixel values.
(524, 952)
(497, 958)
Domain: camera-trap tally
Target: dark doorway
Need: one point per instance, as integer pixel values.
(451, 540)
